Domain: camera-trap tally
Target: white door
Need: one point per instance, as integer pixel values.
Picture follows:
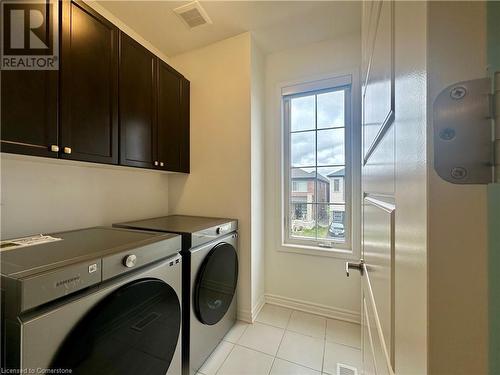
(378, 184)
(424, 237)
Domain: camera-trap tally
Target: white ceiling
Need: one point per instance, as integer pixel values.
(276, 25)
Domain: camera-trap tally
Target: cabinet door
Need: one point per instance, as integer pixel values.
(29, 112)
(137, 104)
(89, 86)
(185, 124)
(169, 118)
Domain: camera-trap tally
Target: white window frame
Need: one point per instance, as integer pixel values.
(351, 248)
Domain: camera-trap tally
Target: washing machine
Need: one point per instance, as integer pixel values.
(210, 275)
(92, 301)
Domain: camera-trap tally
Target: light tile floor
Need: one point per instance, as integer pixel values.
(286, 342)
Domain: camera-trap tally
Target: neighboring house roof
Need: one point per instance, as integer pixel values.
(300, 174)
(339, 173)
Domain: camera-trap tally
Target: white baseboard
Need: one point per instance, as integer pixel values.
(314, 308)
(258, 306)
(250, 316)
(244, 316)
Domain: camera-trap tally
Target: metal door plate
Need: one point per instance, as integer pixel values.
(462, 133)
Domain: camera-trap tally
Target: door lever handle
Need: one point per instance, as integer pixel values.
(350, 265)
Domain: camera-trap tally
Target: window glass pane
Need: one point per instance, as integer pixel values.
(303, 149)
(303, 185)
(331, 222)
(331, 148)
(335, 178)
(302, 220)
(323, 219)
(303, 113)
(331, 109)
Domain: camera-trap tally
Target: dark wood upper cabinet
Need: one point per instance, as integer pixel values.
(169, 118)
(185, 121)
(137, 104)
(29, 108)
(89, 85)
(29, 112)
(152, 116)
(112, 100)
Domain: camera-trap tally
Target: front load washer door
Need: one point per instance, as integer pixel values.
(134, 330)
(216, 284)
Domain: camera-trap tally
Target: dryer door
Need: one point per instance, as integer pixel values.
(134, 330)
(216, 284)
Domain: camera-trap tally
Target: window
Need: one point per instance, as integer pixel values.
(299, 186)
(317, 121)
(336, 185)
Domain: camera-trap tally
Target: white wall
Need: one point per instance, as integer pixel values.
(296, 277)
(257, 177)
(40, 195)
(219, 183)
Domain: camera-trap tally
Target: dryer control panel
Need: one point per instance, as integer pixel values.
(212, 233)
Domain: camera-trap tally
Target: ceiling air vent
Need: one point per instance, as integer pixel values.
(193, 15)
(343, 369)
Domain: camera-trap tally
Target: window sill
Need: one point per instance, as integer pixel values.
(345, 254)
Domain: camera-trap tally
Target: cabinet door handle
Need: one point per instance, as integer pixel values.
(161, 164)
(67, 150)
(156, 163)
(54, 148)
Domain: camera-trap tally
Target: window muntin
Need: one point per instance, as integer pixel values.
(316, 130)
